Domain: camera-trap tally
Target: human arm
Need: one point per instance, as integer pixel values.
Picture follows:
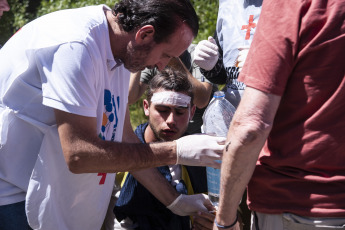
(248, 132)
(203, 220)
(202, 97)
(217, 74)
(85, 152)
(136, 88)
(150, 178)
(157, 184)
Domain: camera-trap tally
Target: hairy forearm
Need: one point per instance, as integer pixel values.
(248, 132)
(237, 167)
(110, 157)
(85, 152)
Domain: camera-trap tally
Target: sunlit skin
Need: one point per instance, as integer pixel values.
(158, 55)
(138, 50)
(166, 122)
(3, 7)
(162, 53)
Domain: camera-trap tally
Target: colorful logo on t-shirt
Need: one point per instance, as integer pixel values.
(110, 116)
(109, 122)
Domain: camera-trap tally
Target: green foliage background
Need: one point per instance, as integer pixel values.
(24, 11)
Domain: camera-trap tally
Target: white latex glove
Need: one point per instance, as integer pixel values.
(187, 205)
(206, 54)
(242, 56)
(200, 150)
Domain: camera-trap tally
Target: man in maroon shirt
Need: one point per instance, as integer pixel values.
(289, 128)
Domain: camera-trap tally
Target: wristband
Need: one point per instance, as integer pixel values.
(226, 226)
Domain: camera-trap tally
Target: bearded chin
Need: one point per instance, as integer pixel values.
(155, 132)
(136, 57)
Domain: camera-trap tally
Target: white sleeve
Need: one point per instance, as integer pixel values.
(68, 78)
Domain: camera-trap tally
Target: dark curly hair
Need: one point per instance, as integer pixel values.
(164, 15)
(170, 80)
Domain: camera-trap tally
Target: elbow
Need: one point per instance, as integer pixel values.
(74, 162)
(201, 100)
(252, 132)
(202, 104)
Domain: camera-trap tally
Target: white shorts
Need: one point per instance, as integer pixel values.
(288, 221)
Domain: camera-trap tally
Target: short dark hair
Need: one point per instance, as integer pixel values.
(170, 80)
(164, 15)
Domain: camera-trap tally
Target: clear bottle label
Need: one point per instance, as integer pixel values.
(213, 180)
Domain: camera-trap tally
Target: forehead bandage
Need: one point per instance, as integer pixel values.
(171, 98)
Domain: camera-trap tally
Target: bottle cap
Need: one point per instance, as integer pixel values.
(218, 94)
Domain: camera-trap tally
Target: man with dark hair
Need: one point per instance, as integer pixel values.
(64, 90)
(165, 17)
(169, 108)
(134, 14)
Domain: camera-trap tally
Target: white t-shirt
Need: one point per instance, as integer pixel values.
(236, 24)
(60, 61)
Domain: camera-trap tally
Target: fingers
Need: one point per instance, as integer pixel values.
(211, 39)
(204, 152)
(203, 220)
(209, 205)
(220, 143)
(209, 48)
(206, 53)
(221, 140)
(218, 148)
(207, 215)
(242, 55)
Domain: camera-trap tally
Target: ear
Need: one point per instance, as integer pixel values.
(145, 34)
(146, 107)
(192, 112)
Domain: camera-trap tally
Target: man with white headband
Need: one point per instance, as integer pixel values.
(64, 121)
(169, 109)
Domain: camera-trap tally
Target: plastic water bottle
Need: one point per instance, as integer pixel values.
(216, 122)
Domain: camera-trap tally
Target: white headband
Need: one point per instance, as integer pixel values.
(171, 98)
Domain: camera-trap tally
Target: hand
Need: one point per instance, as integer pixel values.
(203, 220)
(200, 150)
(242, 56)
(206, 54)
(186, 205)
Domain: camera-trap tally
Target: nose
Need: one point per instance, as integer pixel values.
(170, 119)
(163, 63)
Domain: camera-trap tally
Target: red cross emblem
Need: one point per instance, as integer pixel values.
(249, 26)
(103, 175)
